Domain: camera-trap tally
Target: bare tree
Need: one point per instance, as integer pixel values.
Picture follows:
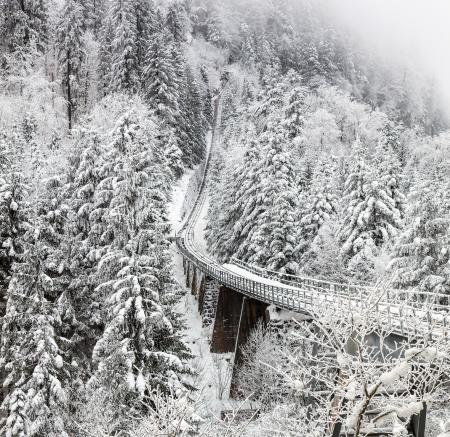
(361, 374)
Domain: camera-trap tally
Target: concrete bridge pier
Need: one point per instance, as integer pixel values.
(236, 317)
(226, 322)
(252, 313)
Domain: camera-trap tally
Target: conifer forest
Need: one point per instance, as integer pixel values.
(224, 218)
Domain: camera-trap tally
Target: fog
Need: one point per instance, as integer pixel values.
(415, 32)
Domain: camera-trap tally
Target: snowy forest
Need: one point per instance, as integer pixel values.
(263, 134)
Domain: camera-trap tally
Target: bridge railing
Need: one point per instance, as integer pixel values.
(413, 297)
(309, 295)
(197, 182)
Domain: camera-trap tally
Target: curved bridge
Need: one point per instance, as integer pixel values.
(398, 310)
(243, 294)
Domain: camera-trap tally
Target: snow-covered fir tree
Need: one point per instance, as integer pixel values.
(273, 241)
(161, 81)
(71, 55)
(321, 203)
(236, 206)
(124, 56)
(370, 219)
(174, 22)
(35, 362)
(131, 354)
(24, 23)
(422, 253)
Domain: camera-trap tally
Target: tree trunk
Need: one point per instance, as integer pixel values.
(69, 94)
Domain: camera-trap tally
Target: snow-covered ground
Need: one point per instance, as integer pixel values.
(214, 370)
(214, 375)
(200, 226)
(176, 204)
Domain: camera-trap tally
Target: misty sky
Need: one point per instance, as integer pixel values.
(416, 30)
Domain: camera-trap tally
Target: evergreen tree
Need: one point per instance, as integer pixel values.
(191, 121)
(125, 64)
(85, 228)
(105, 56)
(371, 218)
(172, 153)
(31, 346)
(295, 111)
(392, 137)
(13, 206)
(391, 174)
(93, 12)
(323, 258)
(310, 65)
(133, 353)
(174, 23)
(146, 27)
(248, 56)
(22, 23)
(274, 238)
(208, 112)
(236, 205)
(71, 55)
(321, 204)
(422, 253)
(161, 89)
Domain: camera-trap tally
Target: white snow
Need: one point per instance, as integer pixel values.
(409, 410)
(239, 271)
(213, 369)
(176, 204)
(197, 338)
(400, 370)
(200, 226)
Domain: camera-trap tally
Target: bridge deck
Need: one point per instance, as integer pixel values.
(425, 314)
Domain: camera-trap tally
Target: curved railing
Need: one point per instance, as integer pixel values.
(308, 295)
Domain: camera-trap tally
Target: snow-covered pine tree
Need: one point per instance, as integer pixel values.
(24, 22)
(172, 152)
(93, 14)
(321, 203)
(29, 127)
(84, 229)
(295, 112)
(129, 354)
(208, 112)
(237, 203)
(271, 97)
(71, 56)
(146, 27)
(125, 66)
(421, 257)
(323, 258)
(248, 55)
(273, 240)
(175, 23)
(192, 121)
(213, 32)
(161, 81)
(32, 347)
(370, 218)
(13, 208)
(392, 136)
(105, 56)
(390, 174)
(310, 65)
